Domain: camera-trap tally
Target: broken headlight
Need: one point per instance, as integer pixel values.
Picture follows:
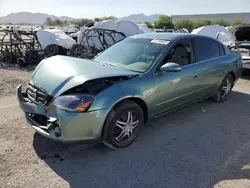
(74, 102)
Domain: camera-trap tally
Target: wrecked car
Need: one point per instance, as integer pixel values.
(94, 41)
(215, 31)
(110, 98)
(96, 37)
(21, 47)
(241, 43)
(54, 41)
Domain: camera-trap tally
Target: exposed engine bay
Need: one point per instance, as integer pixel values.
(241, 34)
(93, 87)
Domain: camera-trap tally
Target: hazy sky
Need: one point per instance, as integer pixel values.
(96, 8)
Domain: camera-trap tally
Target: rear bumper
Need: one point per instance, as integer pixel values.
(58, 124)
(246, 64)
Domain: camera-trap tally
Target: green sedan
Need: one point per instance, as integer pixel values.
(110, 98)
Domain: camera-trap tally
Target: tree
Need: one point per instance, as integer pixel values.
(221, 22)
(58, 22)
(202, 23)
(164, 21)
(188, 24)
(149, 24)
(104, 18)
(49, 21)
(238, 22)
(65, 22)
(81, 22)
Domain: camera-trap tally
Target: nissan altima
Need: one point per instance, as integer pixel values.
(109, 99)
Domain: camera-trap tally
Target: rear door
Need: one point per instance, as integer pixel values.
(210, 61)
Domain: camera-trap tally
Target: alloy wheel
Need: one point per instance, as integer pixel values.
(226, 88)
(126, 127)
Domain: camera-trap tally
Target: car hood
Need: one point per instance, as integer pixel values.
(57, 74)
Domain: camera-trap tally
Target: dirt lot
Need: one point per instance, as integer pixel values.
(11, 76)
(204, 145)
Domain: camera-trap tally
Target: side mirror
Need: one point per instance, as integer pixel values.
(170, 67)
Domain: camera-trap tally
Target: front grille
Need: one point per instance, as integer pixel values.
(37, 96)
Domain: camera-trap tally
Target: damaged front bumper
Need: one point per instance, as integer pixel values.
(57, 124)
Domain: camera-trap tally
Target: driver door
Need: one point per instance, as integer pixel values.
(176, 88)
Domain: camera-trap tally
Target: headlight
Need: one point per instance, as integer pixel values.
(74, 102)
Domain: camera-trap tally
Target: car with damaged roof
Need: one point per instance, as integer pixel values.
(110, 98)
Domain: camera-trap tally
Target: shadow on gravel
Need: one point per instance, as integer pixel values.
(198, 146)
(246, 74)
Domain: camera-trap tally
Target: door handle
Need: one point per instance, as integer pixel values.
(195, 75)
(224, 64)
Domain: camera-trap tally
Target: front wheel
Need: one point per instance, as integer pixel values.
(225, 89)
(123, 125)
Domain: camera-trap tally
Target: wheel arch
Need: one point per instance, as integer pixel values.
(139, 101)
(233, 74)
(230, 72)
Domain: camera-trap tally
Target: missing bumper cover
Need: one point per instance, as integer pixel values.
(47, 124)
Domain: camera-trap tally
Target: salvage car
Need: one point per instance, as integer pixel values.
(110, 98)
(241, 43)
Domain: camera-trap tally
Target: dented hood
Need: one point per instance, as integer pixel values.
(57, 74)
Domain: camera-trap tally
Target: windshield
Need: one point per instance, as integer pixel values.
(133, 54)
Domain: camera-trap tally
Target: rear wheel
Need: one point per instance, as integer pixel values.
(123, 125)
(225, 89)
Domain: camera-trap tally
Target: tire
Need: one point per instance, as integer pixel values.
(21, 62)
(225, 89)
(117, 131)
(51, 50)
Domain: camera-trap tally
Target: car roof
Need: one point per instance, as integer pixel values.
(167, 36)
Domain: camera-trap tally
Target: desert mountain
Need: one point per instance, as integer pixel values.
(28, 17)
(39, 18)
(142, 17)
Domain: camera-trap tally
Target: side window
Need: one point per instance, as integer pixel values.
(181, 53)
(205, 49)
(222, 49)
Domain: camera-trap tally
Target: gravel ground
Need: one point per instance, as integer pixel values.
(11, 76)
(204, 145)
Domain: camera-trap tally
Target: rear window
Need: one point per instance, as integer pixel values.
(205, 49)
